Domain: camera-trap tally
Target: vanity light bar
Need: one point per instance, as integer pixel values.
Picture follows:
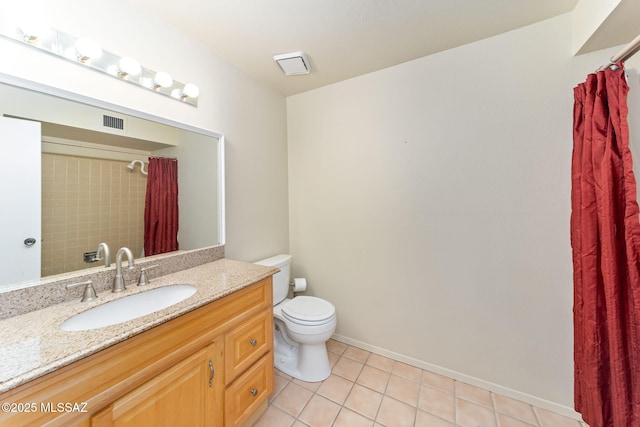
(89, 54)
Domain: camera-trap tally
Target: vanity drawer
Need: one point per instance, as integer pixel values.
(246, 343)
(249, 391)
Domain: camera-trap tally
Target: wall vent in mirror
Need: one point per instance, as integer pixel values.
(113, 122)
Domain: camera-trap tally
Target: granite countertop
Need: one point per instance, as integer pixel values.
(33, 344)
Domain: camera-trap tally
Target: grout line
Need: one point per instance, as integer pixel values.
(535, 413)
(455, 402)
(494, 407)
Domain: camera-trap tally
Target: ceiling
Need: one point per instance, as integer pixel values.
(342, 38)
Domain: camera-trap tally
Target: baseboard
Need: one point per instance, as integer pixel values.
(496, 388)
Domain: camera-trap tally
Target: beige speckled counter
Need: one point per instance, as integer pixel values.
(33, 344)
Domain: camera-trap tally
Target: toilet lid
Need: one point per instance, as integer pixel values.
(308, 309)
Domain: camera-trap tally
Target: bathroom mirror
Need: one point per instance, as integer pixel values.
(88, 194)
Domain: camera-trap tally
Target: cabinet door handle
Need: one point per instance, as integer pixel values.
(253, 343)
(212, 373)
(254, 392)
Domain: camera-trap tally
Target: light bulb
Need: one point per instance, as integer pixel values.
(162, 79)
(87, 49)
(32, 31)
(128, 67)
(190, 90)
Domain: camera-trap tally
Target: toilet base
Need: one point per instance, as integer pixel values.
(306, 362)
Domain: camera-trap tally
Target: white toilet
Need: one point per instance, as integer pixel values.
(302, 327)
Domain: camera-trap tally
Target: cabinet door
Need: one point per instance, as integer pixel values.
(188, 394)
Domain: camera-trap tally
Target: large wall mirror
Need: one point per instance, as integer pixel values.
(72, 188)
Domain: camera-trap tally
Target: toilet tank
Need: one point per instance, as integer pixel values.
(280, 279)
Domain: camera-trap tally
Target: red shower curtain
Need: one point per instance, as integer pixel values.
(605, 237)
(161, 207)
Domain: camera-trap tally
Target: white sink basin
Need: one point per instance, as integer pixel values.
(129, 307)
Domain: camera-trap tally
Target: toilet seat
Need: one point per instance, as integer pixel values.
(306, 310)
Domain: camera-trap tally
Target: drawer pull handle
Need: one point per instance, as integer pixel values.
(253, 343)
(254, 391)
(212, 373)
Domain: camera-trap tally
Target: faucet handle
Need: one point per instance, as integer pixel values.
(89, 291)
(144, 277)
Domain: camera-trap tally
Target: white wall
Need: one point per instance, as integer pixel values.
(588, 17)
(430, 203)
(251, 116)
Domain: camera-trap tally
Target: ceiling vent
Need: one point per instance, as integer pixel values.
(112, 122)
(293, 63)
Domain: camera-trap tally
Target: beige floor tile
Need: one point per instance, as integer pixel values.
(396, 414)
(335, 388)
(507, 421)
(407, 371)
(437, 402)
(474, 394)
(309, 386)
(469, 414)
(336, 346)
(356, 353)
(374, 378)
(319, 412)
(279, 382)
(551, 419)
(348, 418)
(369, 390)
(347, 368)
(364, 401)
(283, 375)
(424, 419)
(381, 362)
(275, 417)
(438, 381)
(292, 399)
(515, 409)
(403, 390)
(333, 358)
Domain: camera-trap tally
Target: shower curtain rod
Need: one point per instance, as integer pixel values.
(627, 52)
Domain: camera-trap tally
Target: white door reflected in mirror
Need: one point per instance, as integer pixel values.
(20, 169)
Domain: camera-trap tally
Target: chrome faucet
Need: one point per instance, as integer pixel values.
(118, 280)
(103, 253)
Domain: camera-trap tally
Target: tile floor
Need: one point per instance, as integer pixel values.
(369, 390)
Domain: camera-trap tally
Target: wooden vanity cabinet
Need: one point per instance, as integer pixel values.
(177, 397)
(209, 367)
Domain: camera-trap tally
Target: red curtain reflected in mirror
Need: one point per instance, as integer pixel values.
(161, 207)
(605, 238)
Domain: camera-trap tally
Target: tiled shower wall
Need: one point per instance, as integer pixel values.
(86, 201)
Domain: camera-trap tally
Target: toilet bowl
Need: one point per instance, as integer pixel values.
(303, 325)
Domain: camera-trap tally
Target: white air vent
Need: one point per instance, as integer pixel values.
(293, 63)
(112, 122)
